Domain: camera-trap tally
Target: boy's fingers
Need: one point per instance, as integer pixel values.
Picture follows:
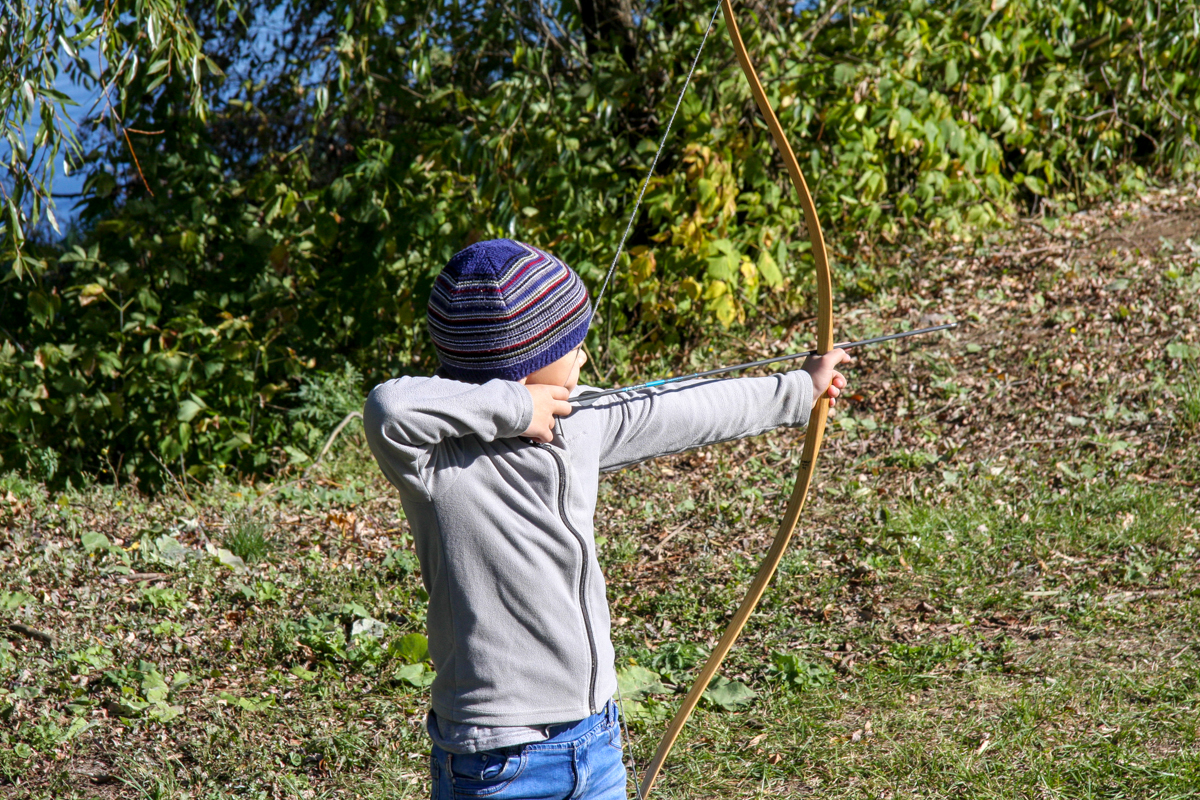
(541, 433)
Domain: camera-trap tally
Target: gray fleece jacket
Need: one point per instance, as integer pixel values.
(518, 621)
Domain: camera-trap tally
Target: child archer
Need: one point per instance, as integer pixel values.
(498, 475)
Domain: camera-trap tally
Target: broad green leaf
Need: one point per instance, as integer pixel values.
(154, 688)
(11, 601)
(188, 409)
(413, 648)
(170, 550)
(1183, 351)
(227, 558)
(94, 540)
(729, 695)
(768, 269)
(417, 675)
(637, 682)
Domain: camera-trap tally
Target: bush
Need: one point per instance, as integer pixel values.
(299, 232)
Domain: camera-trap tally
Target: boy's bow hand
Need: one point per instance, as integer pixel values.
(824, 374)
(548, 402)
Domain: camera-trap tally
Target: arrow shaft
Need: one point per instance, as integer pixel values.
(588, 398)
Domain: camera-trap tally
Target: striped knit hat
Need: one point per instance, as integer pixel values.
(503, 309)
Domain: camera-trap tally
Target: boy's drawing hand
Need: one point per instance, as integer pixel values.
(825, 377)
(548, 402)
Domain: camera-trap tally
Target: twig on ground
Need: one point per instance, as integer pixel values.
(1022, 253)
(332, 437)
(670, 535)
(139, 577)
(1021, 442)
(304, 475)
(33, 633)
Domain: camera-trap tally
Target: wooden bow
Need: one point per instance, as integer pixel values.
(816, 422)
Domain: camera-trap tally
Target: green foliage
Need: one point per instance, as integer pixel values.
(955, 654)
(1189, 403)
(413, 648)
(323, 401)
(141, 691)
(728, 695)
(282, 264)
(796, 673)
(169, 600)
(11, 601)
(140, 46)
(675, 660)
(638, 683)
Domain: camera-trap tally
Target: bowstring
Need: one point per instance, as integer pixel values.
(612, 268)
(653, 165)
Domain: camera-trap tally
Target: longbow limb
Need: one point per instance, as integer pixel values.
(816, 422)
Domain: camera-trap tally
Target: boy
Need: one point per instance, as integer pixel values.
(498, 475)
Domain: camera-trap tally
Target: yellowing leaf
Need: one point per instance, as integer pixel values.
(89, 293)
(768, 270)
(716, 289)
(691, 288)
(749, 272)
(642, 268)
(726, 309)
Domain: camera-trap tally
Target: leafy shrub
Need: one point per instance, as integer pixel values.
(175, 330)
(323, 401)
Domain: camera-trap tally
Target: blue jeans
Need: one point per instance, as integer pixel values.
(579, 760)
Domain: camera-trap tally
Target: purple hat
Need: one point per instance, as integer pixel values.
(503, 309)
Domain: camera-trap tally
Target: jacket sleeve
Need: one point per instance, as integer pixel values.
(646, 424)
(406, 418)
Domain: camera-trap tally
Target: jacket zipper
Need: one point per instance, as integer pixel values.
(587, 622)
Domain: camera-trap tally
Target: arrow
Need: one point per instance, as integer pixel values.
(588, 398)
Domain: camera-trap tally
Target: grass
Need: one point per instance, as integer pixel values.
(1015, 642)
(248, 539)
(1189, 402)
(1012, 643)
(995, 592)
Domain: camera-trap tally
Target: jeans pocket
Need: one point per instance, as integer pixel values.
(614, 736)
(484, 774)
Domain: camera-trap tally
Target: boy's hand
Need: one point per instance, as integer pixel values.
(548, 402)
(825, 377)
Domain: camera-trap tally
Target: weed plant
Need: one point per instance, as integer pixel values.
(247, 539)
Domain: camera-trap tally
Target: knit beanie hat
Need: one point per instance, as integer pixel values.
(503, 309)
